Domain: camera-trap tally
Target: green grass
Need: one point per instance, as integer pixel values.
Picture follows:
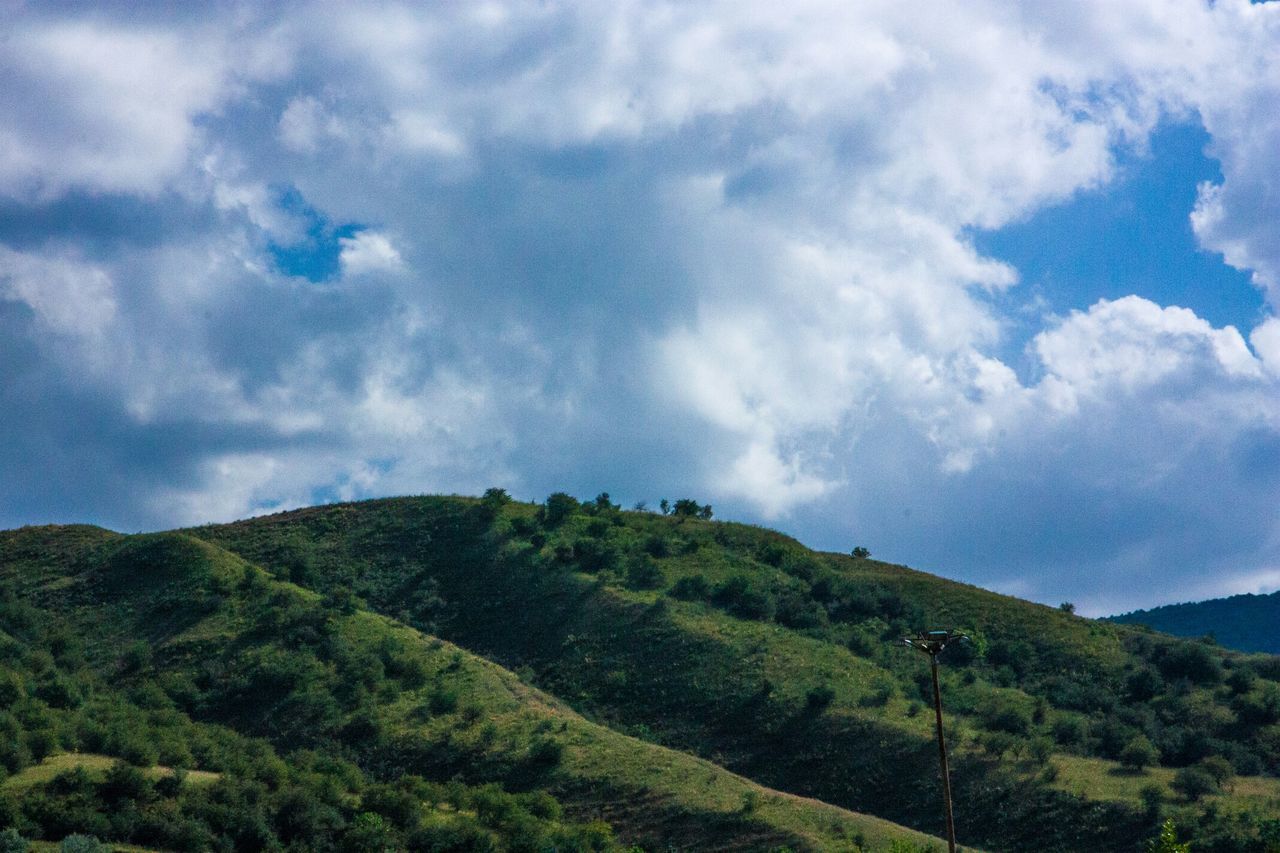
(95, 765)
(1107, 780)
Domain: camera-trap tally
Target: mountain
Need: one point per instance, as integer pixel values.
(1250, 623)
(619, 677)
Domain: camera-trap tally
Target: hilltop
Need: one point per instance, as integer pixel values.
(659, 679)
(1250, 623)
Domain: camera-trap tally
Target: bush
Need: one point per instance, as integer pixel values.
(1139, 753)
(1006, 716)
(738, 596)
(12, 842)
(656, 546)
(443, 701)
(643, 573)
(557, 508)
(1144, 684)
(545, 752)
(1219, 768)
(593, 555)
(493, 501)
(1192, 661)
(81, 844)
(1167, 841)
(691, 588)
(1194, 782)
(689, 508)
(797, 611)
(819, 697)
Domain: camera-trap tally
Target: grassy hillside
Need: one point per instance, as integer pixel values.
(737, 644)
(1250, 623)
(348, 725)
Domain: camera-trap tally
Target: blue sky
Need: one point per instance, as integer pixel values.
(992, 292)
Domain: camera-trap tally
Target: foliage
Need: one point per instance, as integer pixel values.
(1167, 842)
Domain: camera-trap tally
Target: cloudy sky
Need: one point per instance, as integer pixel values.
(990, 288)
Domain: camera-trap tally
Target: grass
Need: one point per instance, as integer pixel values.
(95, 765)
(1100, 779)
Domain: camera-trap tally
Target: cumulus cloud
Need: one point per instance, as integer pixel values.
(366, 252)
(649, 247)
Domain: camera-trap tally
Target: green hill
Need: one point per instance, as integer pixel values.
(1249, 623)
(393, 734)
(571, 675)
(739, 645)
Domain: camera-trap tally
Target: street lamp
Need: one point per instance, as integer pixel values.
(932, 643)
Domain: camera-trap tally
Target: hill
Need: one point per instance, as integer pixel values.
(739, 645)
(303, 719)
(1250, 623)
(517, 676)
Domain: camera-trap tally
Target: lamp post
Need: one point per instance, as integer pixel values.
(932, 643)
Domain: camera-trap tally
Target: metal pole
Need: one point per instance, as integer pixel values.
(942, 756)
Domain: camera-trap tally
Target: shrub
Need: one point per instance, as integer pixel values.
(1192, 661)
(443, 701)
(1219, 768)
(1139, 753)
(1194, 782)
(545, 752)
(1167, 841)
(81, 844)
(1143, 684)
(593, 555)
(797, 611)
(656, 546)
(12, 842)
(819, 697)
(557, 508)
(493, 501)
(689, 508)
(691, 588)
(643, 573)
(1006, 716)
(738, 596)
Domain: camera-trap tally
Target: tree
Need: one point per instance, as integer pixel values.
(1067, 607)
(12, 842)
(1167, 842)
(558, 507)
(860, 553)
(493, 501)
(1219, 768)
(688, 508)
(665, 506)
(1194, 782)
(1138, 754)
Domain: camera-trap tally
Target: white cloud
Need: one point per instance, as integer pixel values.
(127, 100)
(1133, 343)
(66, 296)
(368, 252)
(734, 238)
(1266, 343)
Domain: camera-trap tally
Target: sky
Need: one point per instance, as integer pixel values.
(992, 288)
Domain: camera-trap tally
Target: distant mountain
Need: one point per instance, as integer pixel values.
(1250, 623)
